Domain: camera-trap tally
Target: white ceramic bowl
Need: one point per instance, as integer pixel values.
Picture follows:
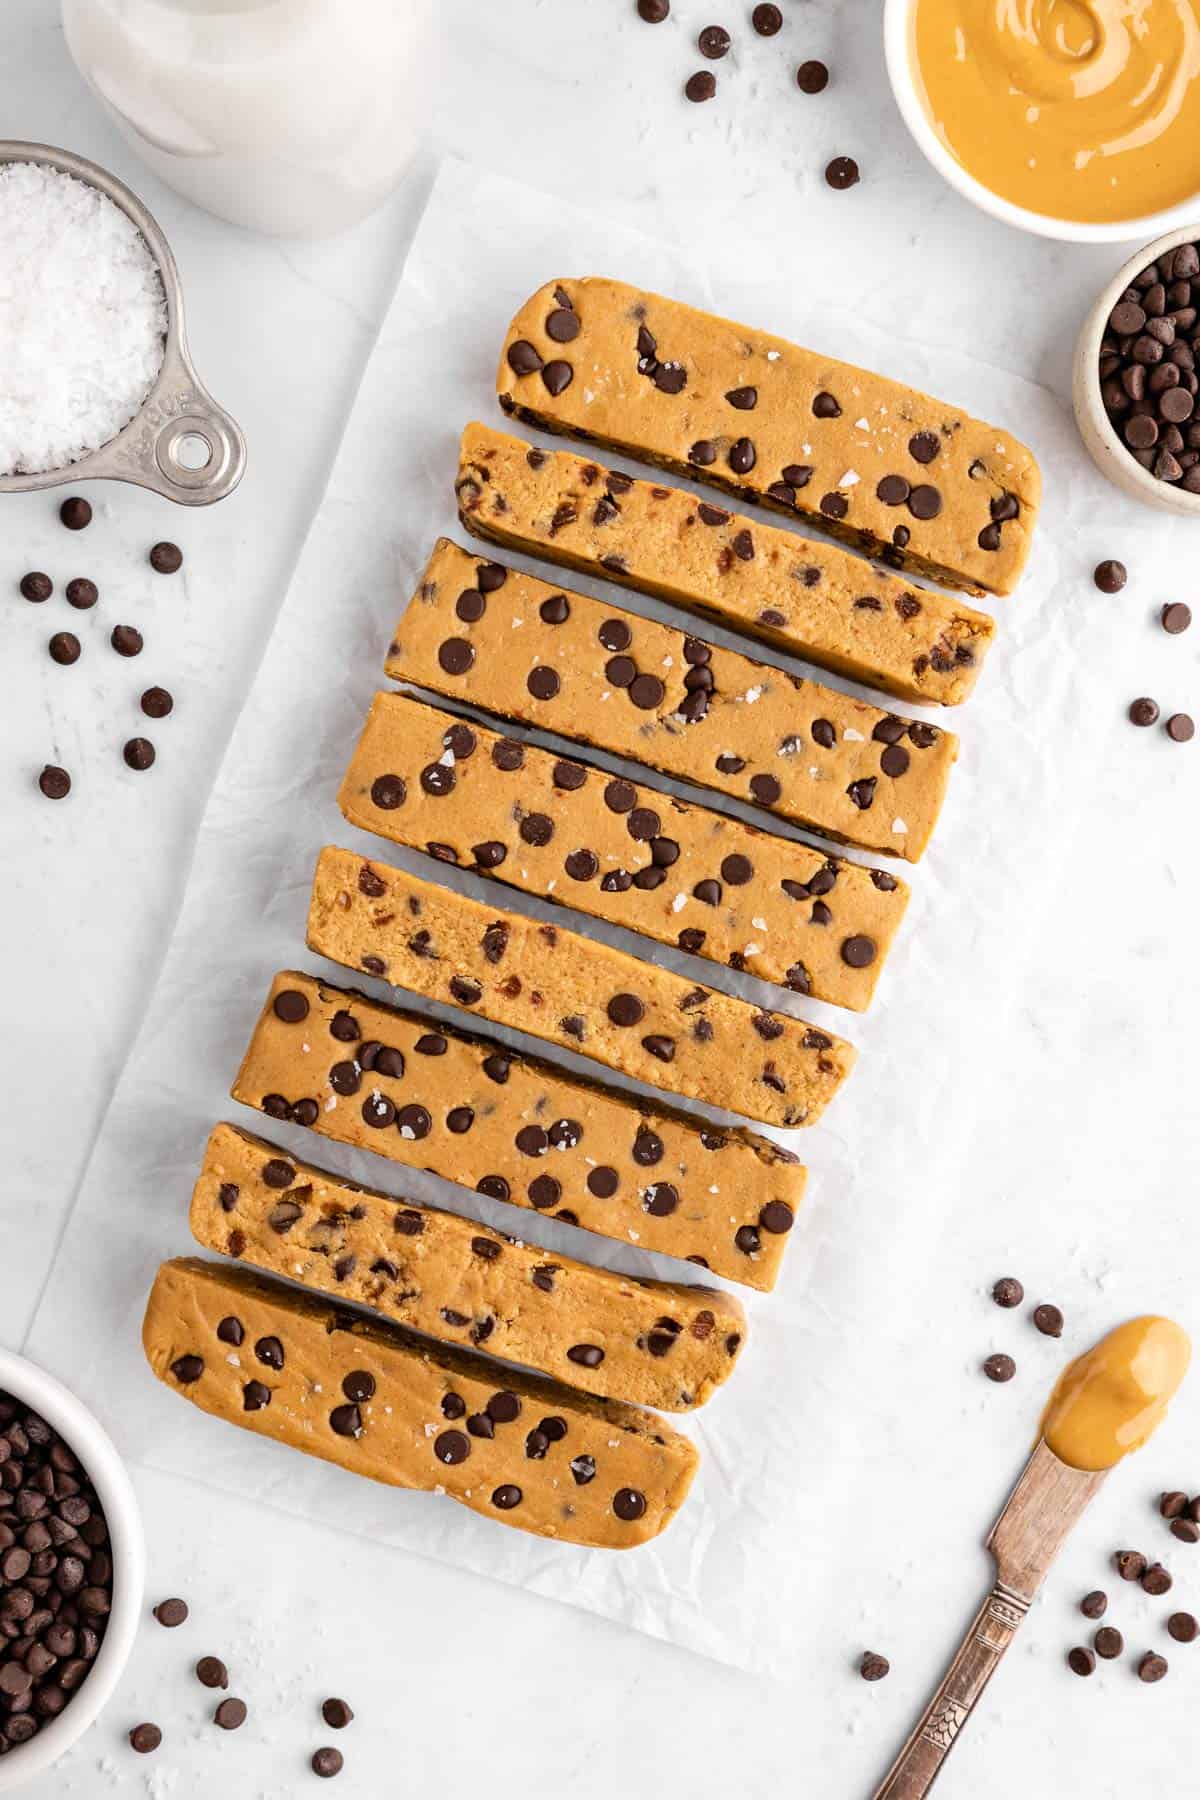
(95, 1451)
(897, 43)
(1105, 448)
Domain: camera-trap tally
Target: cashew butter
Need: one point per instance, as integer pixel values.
(1080, 109)
(1114, 1396)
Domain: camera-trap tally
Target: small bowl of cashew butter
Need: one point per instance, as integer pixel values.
(1074, 119)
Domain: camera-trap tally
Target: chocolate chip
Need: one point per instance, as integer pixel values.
(646, 692)
(36, 586)
(1186, 1530)
(1156, 1580)
(336, 1714)
(1094, 1605)
(700, 86)
(143, 1738)
(54, 782)
(1000, 1367)
(1110, 577)
(126, 640)
(327, 1762)
(455, 656)
(522, 358)
(744, 399)
(166, 558)
(562, 325)
(555, 610)
(742, 456)
(614, 634)
(75, 513)
(212, 1673)
(625, 1010)
(1152, 1667)
(1081, 1660)
(812, 77)
(171, 1613)
(1183, 1627)
(842, 173)
(542, 682)
(1176, 617)
(714, 42)
(629, 1504)
(1129, 1564)
(1108, 1642)
(767, 19)
(874, 1667)
(1008, 1291)
(660, 1199)
(470, 606)
(1180, 728)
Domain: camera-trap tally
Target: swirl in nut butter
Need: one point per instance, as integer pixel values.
(1115, 1396)
(1085, 110)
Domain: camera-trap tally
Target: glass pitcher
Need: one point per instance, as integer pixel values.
(294, 117)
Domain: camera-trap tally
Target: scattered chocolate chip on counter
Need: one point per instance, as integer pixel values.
(76, 513)
(1186, 1530)
(171, 1613)
(767, 19)
(212, 1673)
(56, 1576)
(1183, 1628)
(157, 702)
(65, 648)
(54, 782)
(145, 1738)
(230, 1714)
(166, 559)
(336, 1714)
(1152, 1667)
(1172, 1504)
(1108, 1642)
(1144, 711)
(842, 173)
(1147, 368)
(1008, 1291)
(139, 753)
(874, 1667)
(327, 1762)
(1175, 617)
(812, 77)
(1181, 728)
(126, 640)
(653, 11)
(1129, 1564)
(1157, 1580)
(1049, 1320)
(1110, 576)
(714, 42)
(1000, 1367)
(82, 594)
(36, 586)
(1081, 1660)
(700, 86)
(1094, 1605)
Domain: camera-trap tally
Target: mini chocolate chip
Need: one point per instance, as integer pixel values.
(700, 86)
(166, 558)
(75, 513)
(1110, 576)
(1081, 1660)
(1094, 1605)
(842, 173)
(1008, 1291)
(874, 1667)
(1000, 1367)
(1049, 1320)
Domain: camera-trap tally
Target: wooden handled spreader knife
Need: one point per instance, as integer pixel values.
(1106, 1404)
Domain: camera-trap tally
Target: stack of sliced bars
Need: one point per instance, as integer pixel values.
(407, 1389)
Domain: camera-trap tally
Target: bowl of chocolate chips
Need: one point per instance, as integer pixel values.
(72, 1569)
(1136, 378)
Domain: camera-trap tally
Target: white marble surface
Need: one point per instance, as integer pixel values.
(1086, 1170)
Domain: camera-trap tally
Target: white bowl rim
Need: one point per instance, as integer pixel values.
(88, 1440)
(1177, 500)
(896, 17)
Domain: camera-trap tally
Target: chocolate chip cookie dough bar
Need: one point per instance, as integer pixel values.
(512, 1127)
(889, 469)
(641, 1020)
(379, 1402)
(655, 1343)
(812, 599)
(630, 855)
(511, 644)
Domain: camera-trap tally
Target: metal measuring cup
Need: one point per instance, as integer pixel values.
(178, 422)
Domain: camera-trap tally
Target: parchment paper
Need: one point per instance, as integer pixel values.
(785, 1446)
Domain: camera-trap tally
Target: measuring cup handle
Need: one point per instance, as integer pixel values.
(179, 413)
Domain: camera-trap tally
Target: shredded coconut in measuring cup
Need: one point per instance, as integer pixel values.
(82, 319)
